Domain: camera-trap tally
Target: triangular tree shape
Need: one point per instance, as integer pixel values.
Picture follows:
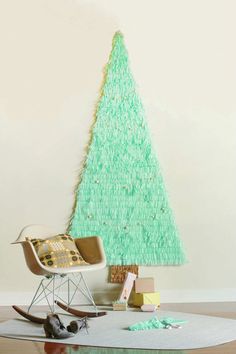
(121, 195)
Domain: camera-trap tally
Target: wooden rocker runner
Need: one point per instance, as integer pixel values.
(70, 310)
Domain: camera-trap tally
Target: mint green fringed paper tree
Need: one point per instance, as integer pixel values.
(121, 195)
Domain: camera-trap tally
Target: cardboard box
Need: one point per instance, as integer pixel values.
(140, 299)
(144, 285)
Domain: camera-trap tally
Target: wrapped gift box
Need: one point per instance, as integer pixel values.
(119, 306)
(127, 286)
(144, 285)
(140, 299)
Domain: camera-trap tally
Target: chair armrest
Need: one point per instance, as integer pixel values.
(91, 249)
(32, 259)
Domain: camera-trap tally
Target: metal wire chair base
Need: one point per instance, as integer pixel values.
(50, 288)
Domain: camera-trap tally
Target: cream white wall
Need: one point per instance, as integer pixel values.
(183, 57)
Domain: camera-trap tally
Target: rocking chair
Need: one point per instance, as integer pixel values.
(90, 248)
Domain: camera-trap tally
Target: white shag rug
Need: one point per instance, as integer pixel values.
(112, 331)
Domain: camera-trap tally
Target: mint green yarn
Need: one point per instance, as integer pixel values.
(150, 324)
(155, 323)
(121, 195)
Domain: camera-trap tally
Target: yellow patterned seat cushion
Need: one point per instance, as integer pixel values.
(59, 251)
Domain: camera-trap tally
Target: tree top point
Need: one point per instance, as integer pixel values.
(118, 34)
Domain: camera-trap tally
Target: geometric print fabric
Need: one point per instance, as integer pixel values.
(59, 251)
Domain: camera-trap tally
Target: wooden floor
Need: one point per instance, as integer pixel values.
(228, 310)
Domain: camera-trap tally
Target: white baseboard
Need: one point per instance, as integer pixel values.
(198, 295)
(167, 296)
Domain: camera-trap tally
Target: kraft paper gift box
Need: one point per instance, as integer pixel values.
(144, 285)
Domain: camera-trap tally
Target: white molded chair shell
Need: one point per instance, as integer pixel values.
(90, 248)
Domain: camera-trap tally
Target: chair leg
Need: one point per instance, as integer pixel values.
(50, 291)
(82, 287)
(37, 294)
(43, 292)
